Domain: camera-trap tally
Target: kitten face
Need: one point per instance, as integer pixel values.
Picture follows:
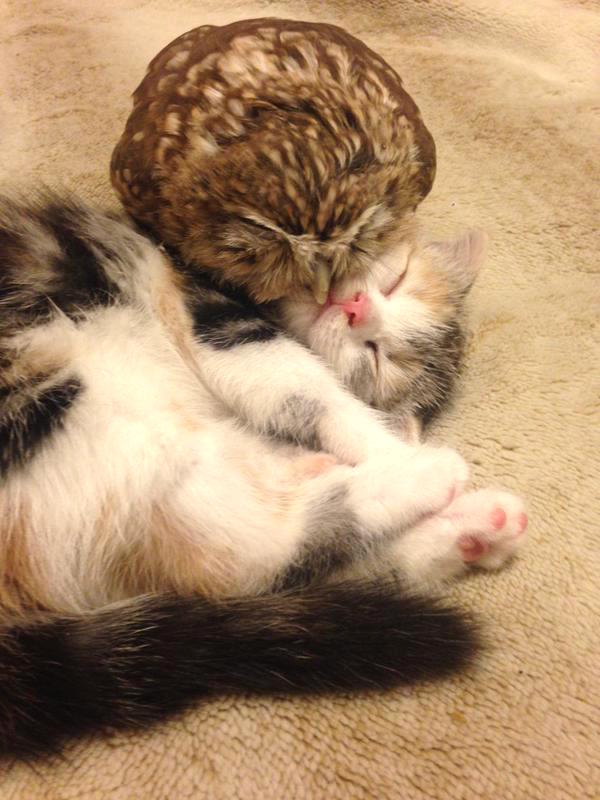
(392, 335)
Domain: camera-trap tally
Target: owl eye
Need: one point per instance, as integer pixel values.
(396, 284)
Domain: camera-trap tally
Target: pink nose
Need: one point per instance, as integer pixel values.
(357, 310)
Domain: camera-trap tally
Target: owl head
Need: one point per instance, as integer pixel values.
(281, 155)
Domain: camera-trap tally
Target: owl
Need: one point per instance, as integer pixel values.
(281, 155)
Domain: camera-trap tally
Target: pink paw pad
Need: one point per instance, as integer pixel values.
(522, 522)
(472, 548)
(498, 518)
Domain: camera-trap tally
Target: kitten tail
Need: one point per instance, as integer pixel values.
(136, 662)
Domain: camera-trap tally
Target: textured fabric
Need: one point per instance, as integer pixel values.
(508, 90)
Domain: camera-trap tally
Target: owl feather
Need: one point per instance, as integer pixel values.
(279, 154)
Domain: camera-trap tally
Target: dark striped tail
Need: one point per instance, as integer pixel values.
(134, 663)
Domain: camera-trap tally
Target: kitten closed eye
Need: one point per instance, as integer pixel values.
(389, 292)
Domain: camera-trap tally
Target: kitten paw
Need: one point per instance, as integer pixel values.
(490, 526)
(410, 484)
(482, 529)
(438, 475)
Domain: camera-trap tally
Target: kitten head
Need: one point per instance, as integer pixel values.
(393, 335)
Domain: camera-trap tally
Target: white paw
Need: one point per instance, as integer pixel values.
(398, 490)
(489, 526)
(434, 477)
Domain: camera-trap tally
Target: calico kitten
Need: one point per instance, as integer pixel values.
(191, 502)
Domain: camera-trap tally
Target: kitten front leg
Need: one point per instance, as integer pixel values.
(282, 389)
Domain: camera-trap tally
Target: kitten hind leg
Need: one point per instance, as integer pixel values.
(493, 524)
(483, 528)
(261, 525)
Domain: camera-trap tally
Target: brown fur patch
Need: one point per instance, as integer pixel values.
(172, 559)
(169, 304)
(434, 290)
(21, 588)
(34, 355)
(161, 557)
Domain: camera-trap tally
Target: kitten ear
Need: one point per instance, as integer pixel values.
(462, 258)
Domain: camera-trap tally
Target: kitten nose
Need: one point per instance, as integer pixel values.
(357, 310)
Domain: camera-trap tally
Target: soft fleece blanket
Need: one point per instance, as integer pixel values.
(510, 91)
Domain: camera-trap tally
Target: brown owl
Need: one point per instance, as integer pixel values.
(282, 154)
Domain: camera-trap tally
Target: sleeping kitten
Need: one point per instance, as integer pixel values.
(189, 496)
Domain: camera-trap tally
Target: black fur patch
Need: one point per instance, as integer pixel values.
(83, 280)
(49, 260)
(138, 662)
(227, 325)
(225, 316)
(23, 428)
(441, 356)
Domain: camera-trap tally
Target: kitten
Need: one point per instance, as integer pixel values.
(191, 502)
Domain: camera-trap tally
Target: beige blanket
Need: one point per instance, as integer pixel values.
(509, 89)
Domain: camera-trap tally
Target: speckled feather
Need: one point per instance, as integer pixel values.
(281, 154)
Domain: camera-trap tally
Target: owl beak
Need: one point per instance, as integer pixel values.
(320, 287)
